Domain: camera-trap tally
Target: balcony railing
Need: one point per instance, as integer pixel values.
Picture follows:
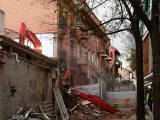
(73, 62)
(62, 54)
(82, 35)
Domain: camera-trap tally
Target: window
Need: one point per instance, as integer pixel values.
(78, 50)
(97, 42)
(97, 62)
(84, 52)
(147, 5)
(89, 76)
(92, 57)
(89, 55)
(111, 55)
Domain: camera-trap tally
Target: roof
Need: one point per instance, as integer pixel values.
(116, 51)
(90, 18)
(96, 22)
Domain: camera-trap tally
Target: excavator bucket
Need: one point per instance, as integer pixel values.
(65, 80)
(26, 33)
(22, 33)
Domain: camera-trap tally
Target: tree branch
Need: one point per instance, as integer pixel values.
(141, 14)
(114, 32)
(127, 8)
(98, 5)
(107, 22)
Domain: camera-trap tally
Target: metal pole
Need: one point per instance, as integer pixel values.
(101, 85)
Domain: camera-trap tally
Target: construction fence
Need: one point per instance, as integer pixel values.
(122, 99)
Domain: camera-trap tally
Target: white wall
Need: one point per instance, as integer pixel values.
(49, 44)
(93, 89)
(2, 22)
(122, 99)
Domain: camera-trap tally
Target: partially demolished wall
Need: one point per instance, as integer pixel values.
(23, 83)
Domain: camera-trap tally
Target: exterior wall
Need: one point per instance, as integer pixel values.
(122, 100)
(90, 89)
(148, 62)
(123, 88)
(113, 69)
(2, 23)
(32, 84)
(39, 16)
(83, 48)
(124, 73)
(150, 57)
(146, 54)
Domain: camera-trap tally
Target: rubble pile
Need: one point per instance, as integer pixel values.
(85, 110)
(25, 113)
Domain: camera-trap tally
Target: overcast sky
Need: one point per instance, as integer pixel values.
(102, 15)
(100, 12)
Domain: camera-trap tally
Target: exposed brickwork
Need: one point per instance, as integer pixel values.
(34, 14)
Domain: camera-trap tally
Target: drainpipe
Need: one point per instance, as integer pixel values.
(101, 86)
(16, 57)
(2, 22)
(1, 56)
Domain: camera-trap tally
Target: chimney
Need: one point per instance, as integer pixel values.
(2, 22)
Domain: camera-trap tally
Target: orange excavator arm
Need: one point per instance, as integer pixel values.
(26, 33)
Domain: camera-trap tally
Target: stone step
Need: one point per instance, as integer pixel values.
(47, 106)
(46, 102)
(49, 110)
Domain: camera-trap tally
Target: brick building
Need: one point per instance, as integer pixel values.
(113, 62)
(147, 49)
(75, 41)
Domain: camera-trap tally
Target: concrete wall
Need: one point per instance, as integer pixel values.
(123, 88)
(32, 85)
(2, 23)
(89, 89)
(122, 100)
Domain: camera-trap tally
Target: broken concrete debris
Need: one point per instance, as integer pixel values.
(86, 110)
(81, 109)
(25, 113)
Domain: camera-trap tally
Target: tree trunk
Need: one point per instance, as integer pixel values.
(139, 71)
(155, 40)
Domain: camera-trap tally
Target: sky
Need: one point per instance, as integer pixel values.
(49, 48)
(101, 14)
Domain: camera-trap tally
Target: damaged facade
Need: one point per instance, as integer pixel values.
(68, 42)
(26, 78)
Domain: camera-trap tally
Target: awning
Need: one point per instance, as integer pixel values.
(148, 84)
(108, 59)
(116, 51)
(148, 77)
(104, 55)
